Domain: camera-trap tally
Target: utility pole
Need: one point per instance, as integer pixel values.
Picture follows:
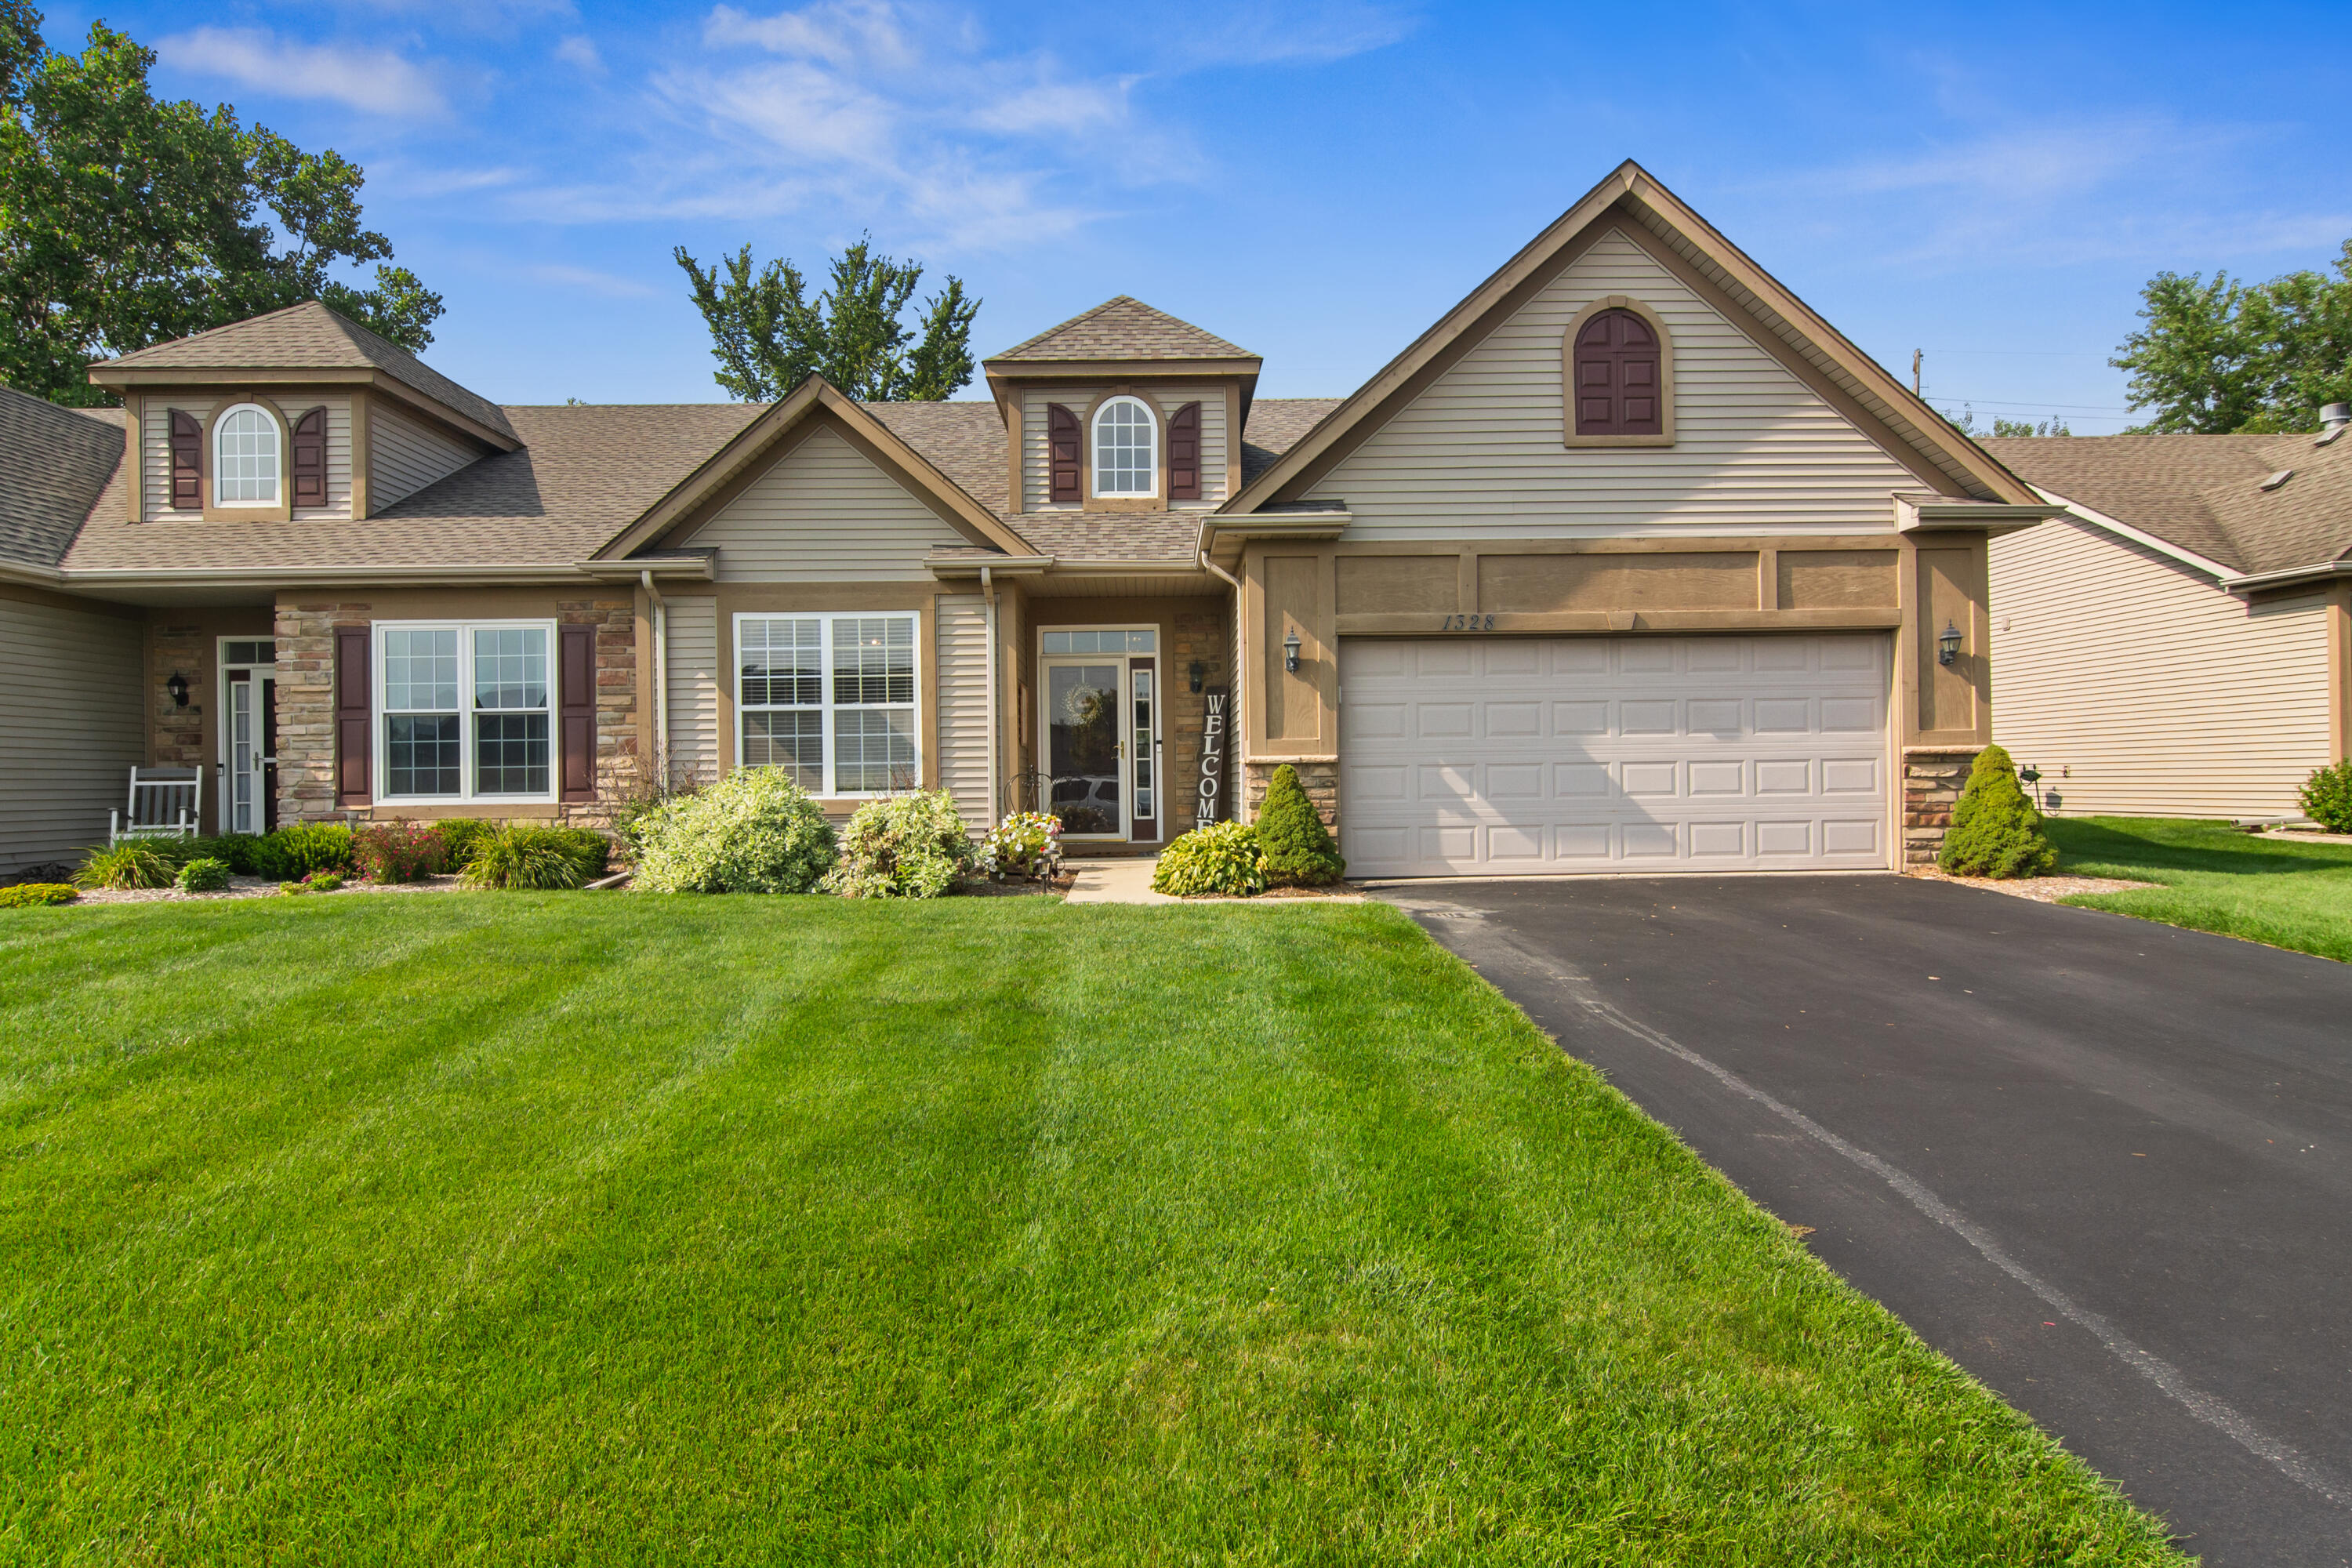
(1915, 372)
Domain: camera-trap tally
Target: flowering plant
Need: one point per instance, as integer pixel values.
(397, 851)
(1025, 844)
(902, 847)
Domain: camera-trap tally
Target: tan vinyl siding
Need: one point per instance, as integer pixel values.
(71, 729)
(155, 457)
(2142, 690)
(1037, 483)
(824, 513)
(693, 698)
(1479, 454)
(406, 454)
(962, 704)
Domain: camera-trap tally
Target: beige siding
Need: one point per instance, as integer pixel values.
(962, 704)
(1479, 453)
(72, 728)
(2140, 689)
(1037, 481)
(693, 698)
(406, 454)
(824, 513)
(155, 457)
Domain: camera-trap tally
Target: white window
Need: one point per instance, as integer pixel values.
(463, 711)
(244, 458)
(831, 699)
(1127, 449)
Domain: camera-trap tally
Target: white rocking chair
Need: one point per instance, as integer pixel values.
(165, 802)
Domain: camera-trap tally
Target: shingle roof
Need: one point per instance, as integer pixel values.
(583, 475)
(54, 465)
(1122, 328)
(2204, 493)
(1275, 425)
(965, 441)
(309, 336)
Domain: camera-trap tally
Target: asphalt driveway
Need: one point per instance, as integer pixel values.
(2105, 1165)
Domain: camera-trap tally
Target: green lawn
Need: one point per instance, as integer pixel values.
(2216, 879)
(610, 1228)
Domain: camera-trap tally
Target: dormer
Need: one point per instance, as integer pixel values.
(1124, 408)
(298, 415)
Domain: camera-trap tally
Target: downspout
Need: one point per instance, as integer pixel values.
(661, 678)
(995, 741)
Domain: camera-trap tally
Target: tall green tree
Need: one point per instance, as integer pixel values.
(126, 220)
(2228, 356)
(767, 335)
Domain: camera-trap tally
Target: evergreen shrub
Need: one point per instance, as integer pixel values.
(1996, 831)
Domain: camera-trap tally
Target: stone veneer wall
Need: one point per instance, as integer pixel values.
(1320, 780)
(176, 734)
(1933, 778)
(306, 705)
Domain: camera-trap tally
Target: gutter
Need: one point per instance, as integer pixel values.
(487, 575)
(1216, 570)
(661, 676)
(2325, 571)
(37, 576)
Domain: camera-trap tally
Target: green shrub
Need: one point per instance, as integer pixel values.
(589, 848)
(32, 895)
(1995, 832)
(459, 837)
(905, 847)
(754, 831)
(206, 875)
(129, 865)
(300, 848)
(2327, 797)
(1221, 857)
(396, 851)
(521, 856)
(316, 882)
(1299, 848)
(235, 849)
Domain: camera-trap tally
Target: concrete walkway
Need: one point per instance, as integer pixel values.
(1113, 882)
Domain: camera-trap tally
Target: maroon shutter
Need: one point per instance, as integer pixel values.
(1062, 438)
(354, 728)
(1185, 454)
(1618, 384)
(187, 462)
(311, 459)
(576, 694)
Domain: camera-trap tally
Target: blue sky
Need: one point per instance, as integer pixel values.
(1317, 181)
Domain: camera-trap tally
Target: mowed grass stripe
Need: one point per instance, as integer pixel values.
(542, 1227)
(2214, 877)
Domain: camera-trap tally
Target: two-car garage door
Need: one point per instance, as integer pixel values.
(1486, 756)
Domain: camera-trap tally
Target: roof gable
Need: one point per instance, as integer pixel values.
(1631, 201)
(1122, 328)
(304, 337)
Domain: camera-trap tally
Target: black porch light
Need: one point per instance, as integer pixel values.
(1198, 672)
(1947, 644)
(1290, 650)
(178, 687)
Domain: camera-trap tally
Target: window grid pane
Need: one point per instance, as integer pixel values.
(874, 750)
(510, 753)
(510, 668)
(783, 663)
(420, 671)
(1123, 440)
(874, 660)
(420, 755)
(245, 449)
(789, 739)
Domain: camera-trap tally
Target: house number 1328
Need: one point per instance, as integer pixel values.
(1469, 624)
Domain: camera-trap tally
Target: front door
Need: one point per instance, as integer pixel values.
(1085, 746)
(249, 801)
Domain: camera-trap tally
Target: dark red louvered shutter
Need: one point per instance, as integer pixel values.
(576, 695)
(1185, 454)
(311, 459)
(354, 771)
(1062, 439)
(187, 462)
(1618, 384)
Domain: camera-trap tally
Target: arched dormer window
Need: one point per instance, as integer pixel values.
(1127, 449)
(1619, 377)
(245, 457)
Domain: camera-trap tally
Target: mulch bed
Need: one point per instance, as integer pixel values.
(2041, 889)
(254, 887)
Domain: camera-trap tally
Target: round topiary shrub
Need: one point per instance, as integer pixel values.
(1220, 857)
(1299, 848)
(300, 848)
(1995, 832)
(2327, 797)
(905, 847)
(208, 875)
(754, 831)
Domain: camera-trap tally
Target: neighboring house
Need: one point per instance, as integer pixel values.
(2179, 643)
(1631, 562)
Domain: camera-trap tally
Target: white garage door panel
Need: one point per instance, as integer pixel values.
(1499, 756)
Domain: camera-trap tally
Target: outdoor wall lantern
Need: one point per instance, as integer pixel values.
(1947, 644)
(1198, 671)
(1290, 650)
(178, 687)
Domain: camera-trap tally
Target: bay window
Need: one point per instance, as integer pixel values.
(464, 710)
(830, 699)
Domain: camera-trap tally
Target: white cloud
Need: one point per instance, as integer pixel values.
(579, 50)
(374, 80)
(589, 280)
(1252, 32)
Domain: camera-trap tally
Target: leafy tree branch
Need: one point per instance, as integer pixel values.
(767, 335)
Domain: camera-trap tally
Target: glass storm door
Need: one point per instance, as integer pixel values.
(1085, 749)
(1143, 766)
(251, 798)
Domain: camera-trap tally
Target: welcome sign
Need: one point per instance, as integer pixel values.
(1212, 755)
